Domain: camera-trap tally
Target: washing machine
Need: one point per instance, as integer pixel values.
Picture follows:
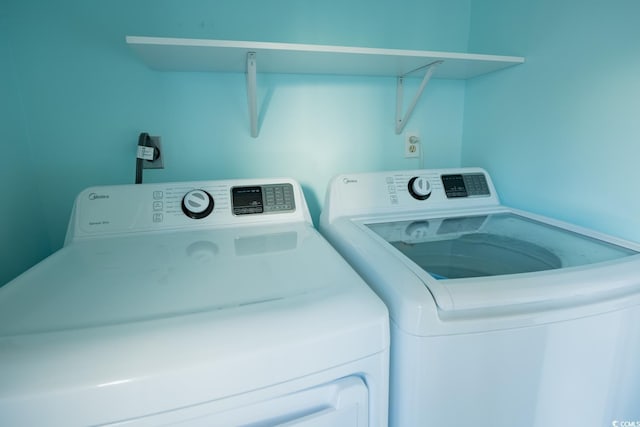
(210, 303)
(499, 317)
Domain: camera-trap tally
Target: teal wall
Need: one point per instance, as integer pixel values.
(85, 97)
(561, 133)
(23, 239)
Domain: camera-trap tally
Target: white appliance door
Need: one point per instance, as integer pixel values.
(129, 326)
(500, 259)
(343, 403)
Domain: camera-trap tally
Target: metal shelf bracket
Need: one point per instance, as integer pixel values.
(251, 93)
(401, 121)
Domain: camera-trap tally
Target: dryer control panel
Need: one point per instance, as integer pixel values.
(262, 199)
(202, 204)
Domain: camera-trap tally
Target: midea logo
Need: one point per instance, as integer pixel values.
(349, 181)
(95, 196)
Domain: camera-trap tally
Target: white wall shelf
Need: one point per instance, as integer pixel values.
(175, 54)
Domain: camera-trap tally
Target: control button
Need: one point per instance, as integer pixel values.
(157, 217)
(157, 195)
(476, 184)
(278, 197)
(157, 206)
(419, 188)
(197, 204)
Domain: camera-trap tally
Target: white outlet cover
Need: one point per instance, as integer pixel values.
(411, 145)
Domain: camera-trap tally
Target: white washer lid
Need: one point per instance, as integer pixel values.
(104, 320)
(494, 254)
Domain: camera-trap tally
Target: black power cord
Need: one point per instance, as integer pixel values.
(144, 140)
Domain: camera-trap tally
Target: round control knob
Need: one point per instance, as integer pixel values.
(197, 204)
(419, 188)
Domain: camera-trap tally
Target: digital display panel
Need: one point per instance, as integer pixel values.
(454, 186)
(247, 200)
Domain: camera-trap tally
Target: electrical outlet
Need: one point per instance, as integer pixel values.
(159, 162)
(411, 145)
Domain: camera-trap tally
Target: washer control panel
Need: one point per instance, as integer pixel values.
(465, 185)
(408, 190)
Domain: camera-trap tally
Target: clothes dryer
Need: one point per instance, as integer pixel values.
(200, 303)
(499, 317)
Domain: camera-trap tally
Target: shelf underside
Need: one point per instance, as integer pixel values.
(170, 54)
